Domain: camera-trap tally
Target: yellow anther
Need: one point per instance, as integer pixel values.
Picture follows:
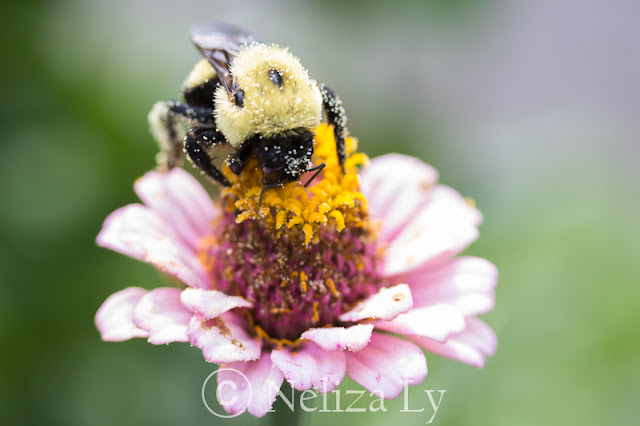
(293, 206)
(345, 199)
(315, 317)
(339, 217)
(303, 281)
(241, 204)
(303, 197)
(355, 160)
(327, 187)
(244, 216)
(317, 217)
(330, 175)
(281, 216)
(324, 208)
(350, 181)
(279, 343)
(359, 196)
(332, 287)
(253, 192)
(308, 233)
(271, 199)
(351, 145)
(318, 191)
(313, 204)
(295, 221)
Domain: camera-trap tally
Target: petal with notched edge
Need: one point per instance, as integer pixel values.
(471, 346)
(386, 304)
(211, 303)
(467, 283)
(114, 319)
(386, 364)
(311, 367)
(251, 386)
(163, 316)
(352, 338)
(223, 339)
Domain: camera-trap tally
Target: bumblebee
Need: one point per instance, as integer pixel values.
(254, 97)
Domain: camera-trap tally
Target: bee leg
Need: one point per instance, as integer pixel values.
(264, 189)
(201, 115)
(338, 118)
(196, 143)
(167, 121)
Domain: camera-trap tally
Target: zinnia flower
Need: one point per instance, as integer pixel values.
(352, 275)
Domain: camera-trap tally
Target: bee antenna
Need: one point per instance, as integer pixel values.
(264, 188)
(317, 170)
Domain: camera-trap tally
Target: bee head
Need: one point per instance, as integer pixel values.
(271, 95)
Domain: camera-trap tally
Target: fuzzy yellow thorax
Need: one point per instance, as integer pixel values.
(331, 199)
(268, 109)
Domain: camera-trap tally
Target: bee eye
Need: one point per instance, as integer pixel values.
(239, 98)
(276, 77)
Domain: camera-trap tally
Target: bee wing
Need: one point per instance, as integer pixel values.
(219, 43)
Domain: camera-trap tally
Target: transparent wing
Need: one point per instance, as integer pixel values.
(219, 43)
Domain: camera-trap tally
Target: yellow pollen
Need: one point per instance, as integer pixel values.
(332, 287)
(332, 199)
(279, 310)
(315, 317)
(303, 281)
(279, 343)
(308, 233)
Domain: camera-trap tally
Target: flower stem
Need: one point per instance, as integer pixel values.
(283, 414)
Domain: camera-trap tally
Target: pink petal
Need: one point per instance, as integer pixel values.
(396, 186)
(137, 231)
(470, 346)
(311, 366)
(386, 364)
(352, 338)
(161, 314)
(444, 227)
(223, 339)
(114, 319)
(180, 201)
(387, 304)
(437, 322)
(211, 303)
(466, 283)
(251, 386)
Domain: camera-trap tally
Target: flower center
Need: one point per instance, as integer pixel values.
(306, 256)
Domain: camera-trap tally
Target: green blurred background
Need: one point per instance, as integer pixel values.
(530, 107)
